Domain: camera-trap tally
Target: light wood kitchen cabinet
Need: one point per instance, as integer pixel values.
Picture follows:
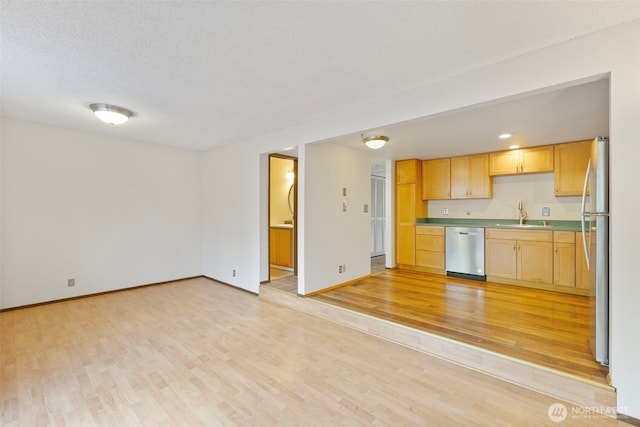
(436, 179)
(524, 160)
(583, 276)
(570, 165)
(470, 177)
(281, 246)
(564, 258)
(430, 247)
(519, 255)
(408, 207)
(406, 171)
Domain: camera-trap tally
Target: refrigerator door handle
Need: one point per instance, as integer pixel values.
(584, 213)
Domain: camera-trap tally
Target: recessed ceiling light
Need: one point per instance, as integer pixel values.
(111, 114)
(513, 147)
(505, 136)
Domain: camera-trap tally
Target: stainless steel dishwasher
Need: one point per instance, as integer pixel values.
(465, 252)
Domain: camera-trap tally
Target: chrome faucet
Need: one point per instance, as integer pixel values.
(522, 215)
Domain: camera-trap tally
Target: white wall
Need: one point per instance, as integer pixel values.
(232, 217)
(109, 212)
(615, 51)
(334, 237)
(535, 191)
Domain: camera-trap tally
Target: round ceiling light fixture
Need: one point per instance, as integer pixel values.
(375, 141)
(111, 114)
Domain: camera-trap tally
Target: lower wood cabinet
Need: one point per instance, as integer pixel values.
(281, 246)
(564, 258)
(430, 247)
(583, 276)
(519, 255)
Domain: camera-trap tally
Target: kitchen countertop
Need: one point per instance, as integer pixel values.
(290, 226)
(533, 224)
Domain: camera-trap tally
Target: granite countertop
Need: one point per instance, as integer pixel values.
(533, 224)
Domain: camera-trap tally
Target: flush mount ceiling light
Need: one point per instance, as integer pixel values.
(375, 141)
(111, 114)
(505, 136)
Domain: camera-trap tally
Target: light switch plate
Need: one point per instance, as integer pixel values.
(546, 211)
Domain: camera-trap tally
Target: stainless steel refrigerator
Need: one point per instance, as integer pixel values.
(595, 240)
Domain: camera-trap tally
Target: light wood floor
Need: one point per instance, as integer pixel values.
(542, 327)
(197, 352)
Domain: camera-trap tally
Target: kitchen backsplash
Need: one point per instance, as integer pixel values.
(535, 191)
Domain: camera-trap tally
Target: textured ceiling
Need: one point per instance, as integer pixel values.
(200, 74)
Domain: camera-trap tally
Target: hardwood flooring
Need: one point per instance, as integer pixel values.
(197, 352)
(541, 327)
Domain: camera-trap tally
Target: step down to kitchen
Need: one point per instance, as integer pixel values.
(551, 382)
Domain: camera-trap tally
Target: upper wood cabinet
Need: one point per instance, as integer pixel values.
(436, 179)
(525, 160)
(570, 165)
(406, 171)
(470, 177)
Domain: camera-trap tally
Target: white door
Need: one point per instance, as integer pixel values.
(377, 215)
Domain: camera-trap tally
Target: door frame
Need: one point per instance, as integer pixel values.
(294, 214)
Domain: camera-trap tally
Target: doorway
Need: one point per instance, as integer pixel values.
(283, 171)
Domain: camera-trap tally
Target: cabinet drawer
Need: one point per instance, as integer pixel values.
(430, 259)
(429, 243)
(430, 230)
(564, 236)
(535, 235)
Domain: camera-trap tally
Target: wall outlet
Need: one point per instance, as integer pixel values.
(546, 211)
(366, 208)
(233, 272)
(71, 283)
(445, 211)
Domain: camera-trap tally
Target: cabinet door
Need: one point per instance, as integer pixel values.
(535, 261)
(436, 179)
(429, 243)
(504, 162)
(406, 244)
(405, 224)
(500, 258)
(406, 171)
(273, 246)
(479, 182)
(460, 177)
(570, 165)
(430, 259)
(536, 159)
(583, 276)
(564, 264)
(284, 247)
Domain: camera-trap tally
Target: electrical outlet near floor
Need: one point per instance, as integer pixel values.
(71, 283)
(233, 273)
